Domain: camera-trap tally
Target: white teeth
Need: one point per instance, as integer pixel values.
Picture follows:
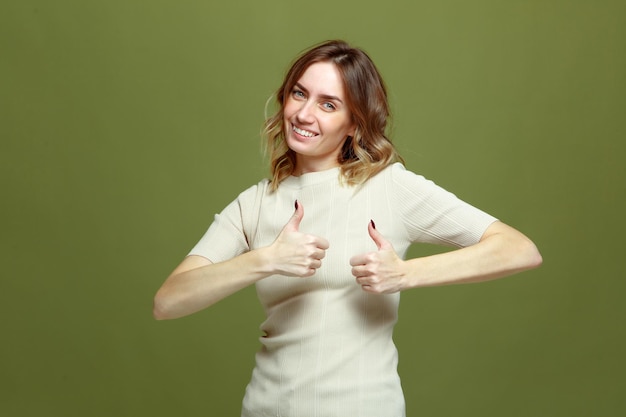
(303, 132)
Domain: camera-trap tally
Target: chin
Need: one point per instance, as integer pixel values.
(297, 147)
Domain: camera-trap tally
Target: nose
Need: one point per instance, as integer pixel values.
(305, 113)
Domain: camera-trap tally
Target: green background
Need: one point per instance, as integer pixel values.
(126, 124)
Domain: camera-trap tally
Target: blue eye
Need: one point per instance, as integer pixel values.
(297, 94)
(329, 106)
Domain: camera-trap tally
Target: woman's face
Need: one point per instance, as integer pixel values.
(317, 119)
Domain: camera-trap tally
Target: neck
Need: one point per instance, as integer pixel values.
(306, 167)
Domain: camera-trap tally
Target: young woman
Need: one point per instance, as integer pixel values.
(324, 242)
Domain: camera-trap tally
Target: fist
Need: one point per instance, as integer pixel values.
(297, 254)
(381, 271)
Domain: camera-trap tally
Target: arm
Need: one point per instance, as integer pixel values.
(197, 283)
(501, 251)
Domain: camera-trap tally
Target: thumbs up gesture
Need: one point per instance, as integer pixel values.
(294, 253)
(379, 272)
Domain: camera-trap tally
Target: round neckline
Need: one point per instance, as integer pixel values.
(312, 178)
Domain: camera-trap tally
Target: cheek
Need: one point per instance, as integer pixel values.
(289, 108)
(342, 127)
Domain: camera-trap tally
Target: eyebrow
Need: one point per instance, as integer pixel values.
(324, 96)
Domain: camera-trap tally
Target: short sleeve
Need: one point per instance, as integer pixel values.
(433, 215)
(229, 234)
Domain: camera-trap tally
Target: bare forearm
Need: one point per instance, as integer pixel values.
(189, 291)
(503, 252)
(197, 283)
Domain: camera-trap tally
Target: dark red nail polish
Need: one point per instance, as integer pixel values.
(296, 204)
(373, 224)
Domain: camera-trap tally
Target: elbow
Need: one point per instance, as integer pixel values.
(160, 310)
(158, 313)
(537, 258)
(530, 256)
(168, 305)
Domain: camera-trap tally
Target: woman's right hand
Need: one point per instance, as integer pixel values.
(294, 253)
(198, 283)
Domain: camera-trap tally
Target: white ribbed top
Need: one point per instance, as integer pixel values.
(327, 346)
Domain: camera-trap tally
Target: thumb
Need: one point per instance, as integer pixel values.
(381, 242)
(294, 222)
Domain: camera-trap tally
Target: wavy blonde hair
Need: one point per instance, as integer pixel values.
(369, 151)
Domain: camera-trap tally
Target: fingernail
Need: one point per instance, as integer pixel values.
(373, 224)
(296, 204)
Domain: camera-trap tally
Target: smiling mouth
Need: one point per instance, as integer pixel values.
(303, 132)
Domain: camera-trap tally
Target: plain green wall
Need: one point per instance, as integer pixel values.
(126, 124)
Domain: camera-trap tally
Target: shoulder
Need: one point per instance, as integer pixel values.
(247, 199)
(404, 184)
(397, 174)
(251, 193)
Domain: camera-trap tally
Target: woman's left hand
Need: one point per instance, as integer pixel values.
(380, 272)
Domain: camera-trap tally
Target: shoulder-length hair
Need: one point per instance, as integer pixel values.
(366, 153)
